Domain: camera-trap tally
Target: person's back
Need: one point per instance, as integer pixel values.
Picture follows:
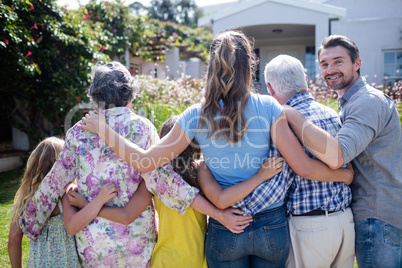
(54, 247)
(181, 238)
(377, 187)
(98, 165)
(307, 199)
(232, 163)
(334, 195)
(320, 224)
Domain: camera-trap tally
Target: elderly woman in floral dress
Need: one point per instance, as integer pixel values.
(89, 160)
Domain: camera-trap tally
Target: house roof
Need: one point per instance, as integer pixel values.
(332, 11)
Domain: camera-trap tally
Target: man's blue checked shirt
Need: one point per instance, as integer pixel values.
(300, 195)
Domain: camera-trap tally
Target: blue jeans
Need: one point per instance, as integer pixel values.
(378, 244)
(264, 243)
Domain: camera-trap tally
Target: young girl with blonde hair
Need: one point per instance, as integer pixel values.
(55, 245)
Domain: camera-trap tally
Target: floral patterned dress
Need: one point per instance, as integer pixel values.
(54, 247)
(88, 159)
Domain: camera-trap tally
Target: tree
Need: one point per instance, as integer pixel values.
(178, 11)
(46, 57)
(112, 20)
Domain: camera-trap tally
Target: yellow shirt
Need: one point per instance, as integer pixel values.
(181, 238)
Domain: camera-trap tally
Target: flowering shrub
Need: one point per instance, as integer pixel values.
(46, 56)
(159, 99)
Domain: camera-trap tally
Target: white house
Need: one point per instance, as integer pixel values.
(297, 28)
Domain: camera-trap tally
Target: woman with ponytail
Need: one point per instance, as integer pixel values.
(234, 129)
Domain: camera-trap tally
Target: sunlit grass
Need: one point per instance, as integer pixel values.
(9, 184)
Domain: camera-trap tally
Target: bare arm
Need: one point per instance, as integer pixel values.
(298, 160)
(123, 215)
(15, 246)
(75, 220)
(230, 218)
(159, 154)
(224, 198)
(319, 142)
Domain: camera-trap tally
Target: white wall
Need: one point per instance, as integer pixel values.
(148, 68)
(10, 163)
(269, 50)
(372, 36)
(172, 62)
(271, 13)
(193, 67)
(172, 67)
(357, 9)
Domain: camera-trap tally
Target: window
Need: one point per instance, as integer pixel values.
(392, 67)
(310, 62)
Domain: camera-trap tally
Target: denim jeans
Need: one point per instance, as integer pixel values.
(378, 244)
(264, 243)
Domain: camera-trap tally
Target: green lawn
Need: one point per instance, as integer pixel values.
(9, 184)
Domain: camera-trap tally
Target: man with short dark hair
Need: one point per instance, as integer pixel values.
(371, 136)
(320, 223)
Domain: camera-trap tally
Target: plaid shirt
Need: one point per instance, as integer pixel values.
(304, 195)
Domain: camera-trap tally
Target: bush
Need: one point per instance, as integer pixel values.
(159, 99)
(46, 58)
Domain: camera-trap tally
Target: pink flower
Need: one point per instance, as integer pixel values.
(32, 39)
(103, 48)
(34, 27)
(136, 246)
(90, 12)
(31, 211)
(28, 54)
(90, 255)
(78, 99)
(6, 41)
(45, 201)
(32, 7)
(114, 30)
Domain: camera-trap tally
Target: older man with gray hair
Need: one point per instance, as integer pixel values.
(321, 225)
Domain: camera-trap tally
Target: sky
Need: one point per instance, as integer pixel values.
(74, 4)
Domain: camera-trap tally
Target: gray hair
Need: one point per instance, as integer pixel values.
(286, 75)
(112, 85)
